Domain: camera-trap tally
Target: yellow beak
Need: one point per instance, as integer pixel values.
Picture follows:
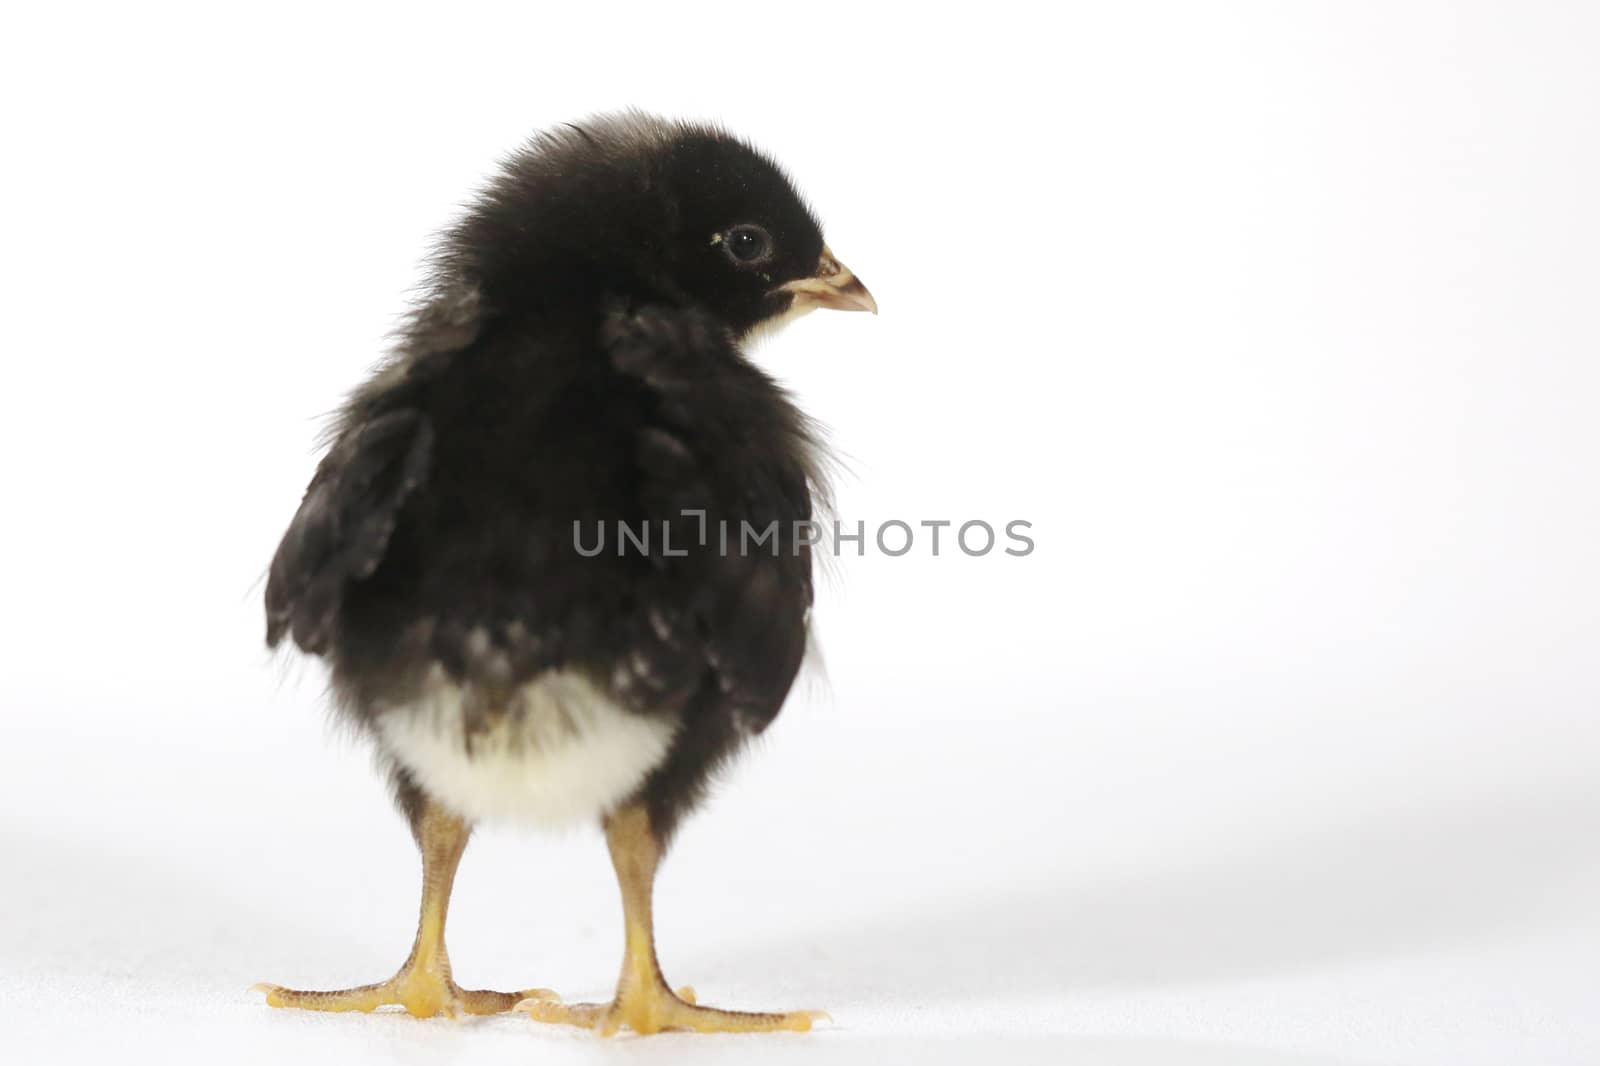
(833, 286)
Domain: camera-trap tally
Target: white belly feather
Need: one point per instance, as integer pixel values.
(567, 754)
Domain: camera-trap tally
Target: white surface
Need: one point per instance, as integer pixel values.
(1276, 321)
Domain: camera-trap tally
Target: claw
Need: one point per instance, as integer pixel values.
(532, 998)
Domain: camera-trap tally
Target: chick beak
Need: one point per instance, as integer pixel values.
(833, 286)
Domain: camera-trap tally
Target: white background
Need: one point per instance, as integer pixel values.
(1279, 323)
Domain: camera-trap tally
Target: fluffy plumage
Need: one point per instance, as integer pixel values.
(577, 360)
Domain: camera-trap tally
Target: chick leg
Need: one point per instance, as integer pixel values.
(643, 1000)
(423, 986)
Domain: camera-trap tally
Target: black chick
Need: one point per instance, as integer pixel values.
(575, 373)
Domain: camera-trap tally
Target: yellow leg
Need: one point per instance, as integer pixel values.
(643, 1001)
(423, 986)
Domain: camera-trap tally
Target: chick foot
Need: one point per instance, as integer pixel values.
(423, 991)
(653, 1008)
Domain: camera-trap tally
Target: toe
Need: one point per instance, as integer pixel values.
(486, 1001)
(710, 1020)
(362, 998)
(549, 1009)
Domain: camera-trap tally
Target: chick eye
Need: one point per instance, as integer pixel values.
(747, 245)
